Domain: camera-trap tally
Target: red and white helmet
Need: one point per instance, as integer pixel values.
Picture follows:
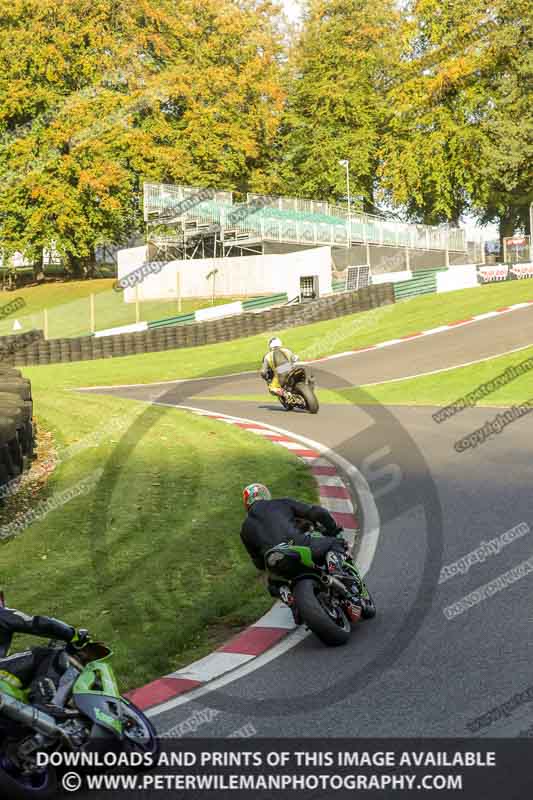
(254, 492)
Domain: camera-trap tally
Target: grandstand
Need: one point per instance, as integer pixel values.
(220, 227)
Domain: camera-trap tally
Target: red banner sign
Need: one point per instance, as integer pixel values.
(498, 272)
(522, 270)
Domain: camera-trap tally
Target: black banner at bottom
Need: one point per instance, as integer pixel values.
(305, 769)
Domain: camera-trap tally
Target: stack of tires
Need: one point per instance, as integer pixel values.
(15, 349)
(17, 432)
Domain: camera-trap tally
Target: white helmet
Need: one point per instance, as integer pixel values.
(275, 342)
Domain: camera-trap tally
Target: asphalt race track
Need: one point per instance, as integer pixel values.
(411, 671)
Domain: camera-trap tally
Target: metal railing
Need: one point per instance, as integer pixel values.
(297, 221)
(160, 197)
(371, 227)
(290, 203)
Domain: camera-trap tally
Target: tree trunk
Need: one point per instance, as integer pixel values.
(90, 264)
(74, 267)
(525, 217)
(507, 227)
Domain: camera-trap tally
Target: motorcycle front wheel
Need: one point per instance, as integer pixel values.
(139, 734)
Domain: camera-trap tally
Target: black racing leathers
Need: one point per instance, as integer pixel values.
(270, 522)
(13, 621)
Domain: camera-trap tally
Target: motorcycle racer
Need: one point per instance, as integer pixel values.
(272, 521)
(39, 666)
(277, 364)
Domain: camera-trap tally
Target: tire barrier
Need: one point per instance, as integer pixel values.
(13, 346)
(200, 333)
(17, 430)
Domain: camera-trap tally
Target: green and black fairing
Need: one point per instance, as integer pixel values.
(12, 686)
(289, 561)
(96, 693)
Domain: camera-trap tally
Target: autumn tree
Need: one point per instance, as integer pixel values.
(98, 95)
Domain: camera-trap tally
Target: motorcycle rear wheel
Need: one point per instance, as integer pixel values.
(332, 632)
(310, 398)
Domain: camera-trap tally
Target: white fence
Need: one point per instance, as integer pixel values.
(460, 276)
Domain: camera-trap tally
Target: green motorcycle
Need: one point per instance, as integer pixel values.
(328, 604)
(88, 715)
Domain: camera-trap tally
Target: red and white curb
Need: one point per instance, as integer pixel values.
(278, 622)
(420, 334)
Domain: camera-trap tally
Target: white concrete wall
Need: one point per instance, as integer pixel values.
(457, 277)
(130, 259)
(249, 275)
(214, 312)
(392, 277)
(133, 328)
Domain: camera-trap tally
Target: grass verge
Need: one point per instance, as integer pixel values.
(444, 388)
(149, 558)
(69, 312)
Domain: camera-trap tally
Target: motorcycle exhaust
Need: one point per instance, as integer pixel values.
(29, 716)
(330, 580)
(353, 611)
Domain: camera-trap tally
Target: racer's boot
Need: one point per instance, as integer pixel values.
(288, 598)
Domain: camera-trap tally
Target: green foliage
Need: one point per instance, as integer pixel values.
(460, 129)
(340, 71)
(507, 168)
(432, 107)
(96, 96)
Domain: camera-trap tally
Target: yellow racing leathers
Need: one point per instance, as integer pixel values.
(276, 366)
